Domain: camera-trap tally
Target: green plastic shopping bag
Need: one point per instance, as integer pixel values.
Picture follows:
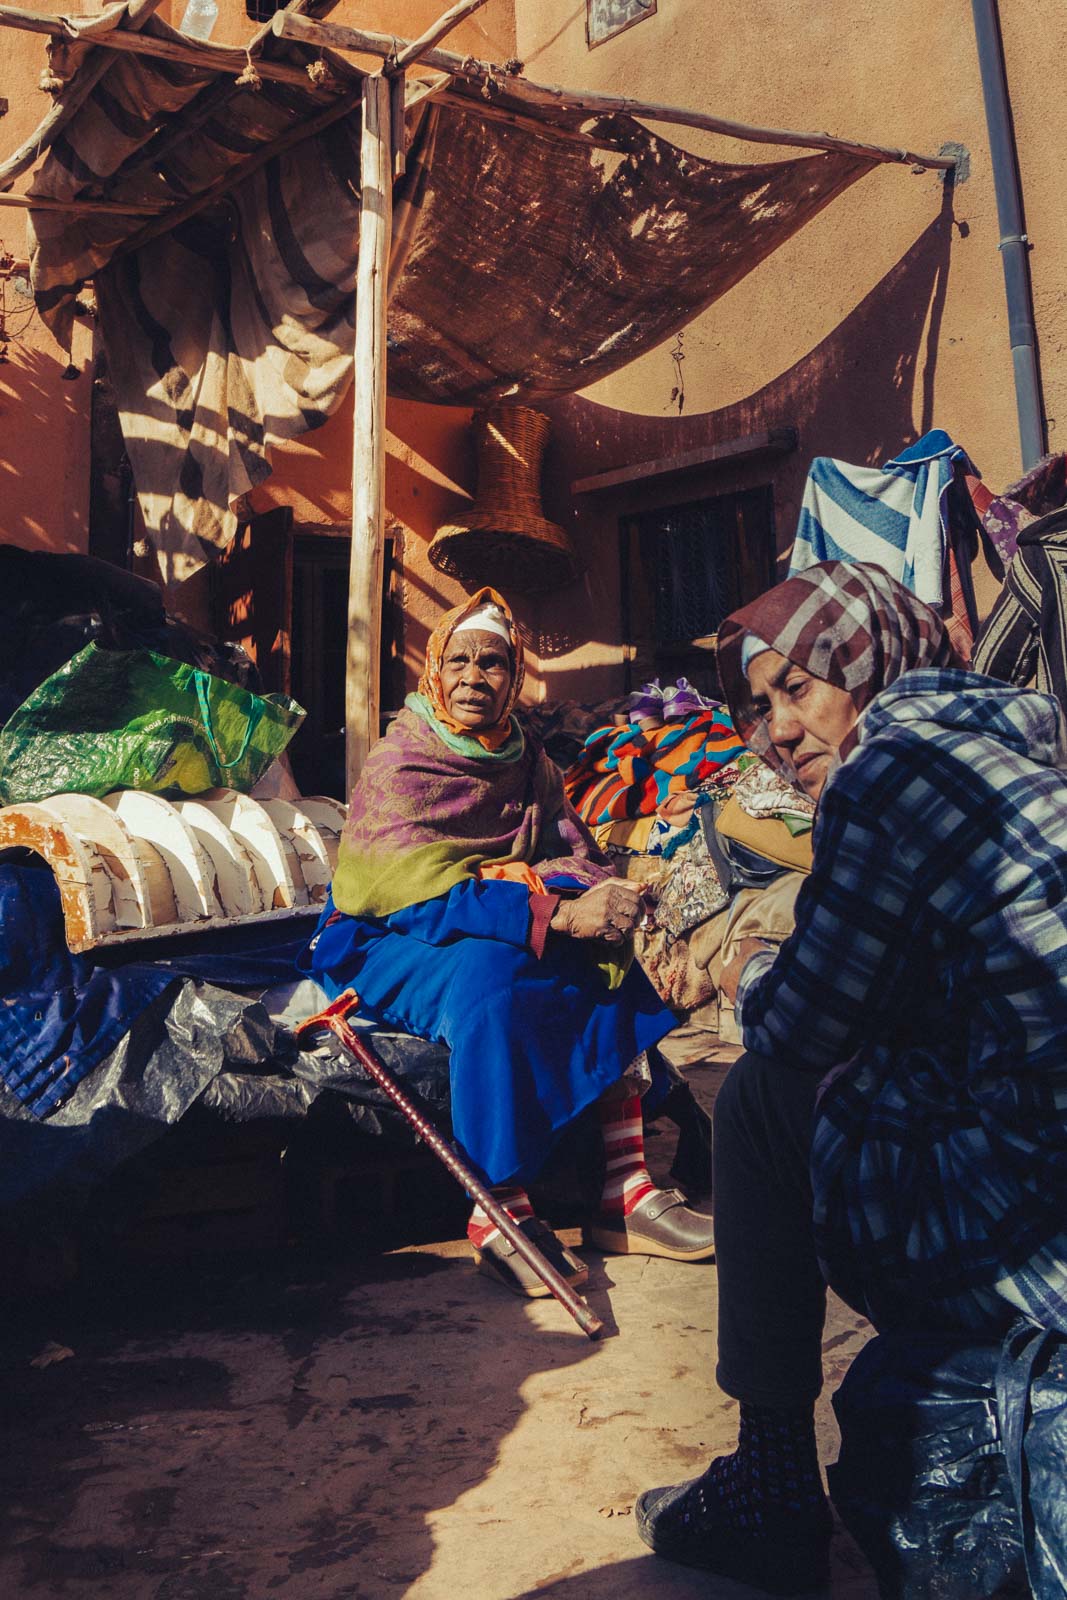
(131, 719)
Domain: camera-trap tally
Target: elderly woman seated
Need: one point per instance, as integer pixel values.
(898, 1127)
(470, 906)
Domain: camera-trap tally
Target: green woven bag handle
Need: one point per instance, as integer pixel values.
(202, 679)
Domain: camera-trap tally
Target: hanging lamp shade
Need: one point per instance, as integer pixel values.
(504, 538)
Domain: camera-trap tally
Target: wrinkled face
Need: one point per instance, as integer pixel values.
(807, 718)
(475, 679)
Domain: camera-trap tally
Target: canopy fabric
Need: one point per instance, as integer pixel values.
(525, 262)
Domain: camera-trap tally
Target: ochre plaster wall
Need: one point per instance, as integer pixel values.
(44, 408)
(882, 318)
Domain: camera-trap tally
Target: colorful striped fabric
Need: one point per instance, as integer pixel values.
(626, 772)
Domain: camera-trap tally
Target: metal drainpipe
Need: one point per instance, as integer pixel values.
(1014, 244)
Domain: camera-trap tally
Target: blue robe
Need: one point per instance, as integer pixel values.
(532, 1040)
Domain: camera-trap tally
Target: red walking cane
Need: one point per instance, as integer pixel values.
(335, 1019)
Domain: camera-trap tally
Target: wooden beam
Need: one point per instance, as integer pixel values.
(208, 104)
(417, 92)
(540, 127)
(433, 35)
(728, 452)
(589, 101)
(97, 65)
(86, 208)
(173, 216)
(223, 59)
(366, 570)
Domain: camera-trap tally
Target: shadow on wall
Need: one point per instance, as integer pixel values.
(45, 441)
(853, 395)
(857, 395)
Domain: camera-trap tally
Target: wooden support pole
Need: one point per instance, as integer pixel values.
(367, 565)
(434, 34)
(77, 91)
(590, 102)
(398, 134)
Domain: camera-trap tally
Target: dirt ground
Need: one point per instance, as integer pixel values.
(352, 1425)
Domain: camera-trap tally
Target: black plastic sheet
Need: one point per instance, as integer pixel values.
(953, 1465)
(195, 1045)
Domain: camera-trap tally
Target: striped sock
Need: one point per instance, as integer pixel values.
(516, 1202)
(626, 1179)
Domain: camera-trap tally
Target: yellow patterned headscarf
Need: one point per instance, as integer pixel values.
(430, 682)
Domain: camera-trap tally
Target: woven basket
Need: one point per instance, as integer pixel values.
(505, 539)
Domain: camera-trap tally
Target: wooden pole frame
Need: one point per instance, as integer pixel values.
(367, 561)
(587, 102)
(434, 34)
(545, 97)
(74, 96)
(223, 59)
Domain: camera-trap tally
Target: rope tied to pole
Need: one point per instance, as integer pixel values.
(50, 81)
(249, 78)
(320, 75)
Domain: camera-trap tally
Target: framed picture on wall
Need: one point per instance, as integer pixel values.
(605, 18)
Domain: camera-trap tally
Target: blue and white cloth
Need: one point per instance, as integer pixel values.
(927, 981)
(895, 515)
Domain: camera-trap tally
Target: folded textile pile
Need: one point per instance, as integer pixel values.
(760, 792)
(630, 772)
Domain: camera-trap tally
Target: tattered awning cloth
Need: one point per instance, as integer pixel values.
(525, 262)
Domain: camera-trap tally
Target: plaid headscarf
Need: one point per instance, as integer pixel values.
(430, 682)
(848, 623)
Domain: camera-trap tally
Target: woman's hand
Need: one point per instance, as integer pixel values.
(611, 911)
(731, 974)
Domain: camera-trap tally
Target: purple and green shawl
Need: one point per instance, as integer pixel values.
(426, 815)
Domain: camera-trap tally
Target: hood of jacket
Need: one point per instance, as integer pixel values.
(950, 701)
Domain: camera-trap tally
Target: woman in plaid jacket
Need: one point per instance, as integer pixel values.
(898, 1126)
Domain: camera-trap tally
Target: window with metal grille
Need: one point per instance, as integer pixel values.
(262, 10)
(686, 567)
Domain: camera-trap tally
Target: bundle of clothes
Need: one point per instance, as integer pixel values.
(668, 787)
(664, 781)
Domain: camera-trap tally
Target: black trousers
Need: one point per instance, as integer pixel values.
(772, 1297)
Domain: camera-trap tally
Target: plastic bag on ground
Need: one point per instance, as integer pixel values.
(952, 1465)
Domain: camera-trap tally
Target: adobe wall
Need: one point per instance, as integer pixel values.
(884, 316)
(45, 392)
